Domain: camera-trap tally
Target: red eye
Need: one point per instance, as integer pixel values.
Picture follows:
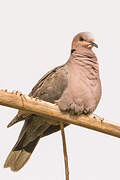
(81, 39)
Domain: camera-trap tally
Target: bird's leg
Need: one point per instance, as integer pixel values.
(64, 150)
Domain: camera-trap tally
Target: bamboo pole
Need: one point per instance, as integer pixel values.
(52, 112)
(64, 151)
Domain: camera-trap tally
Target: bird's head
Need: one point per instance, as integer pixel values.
(83, 39)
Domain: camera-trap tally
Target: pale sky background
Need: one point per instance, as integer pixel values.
(36, 36)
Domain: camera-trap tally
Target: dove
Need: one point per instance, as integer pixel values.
(75, 87)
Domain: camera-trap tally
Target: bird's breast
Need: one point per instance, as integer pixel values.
(83, 91)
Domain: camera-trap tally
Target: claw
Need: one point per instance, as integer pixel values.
(97, 118)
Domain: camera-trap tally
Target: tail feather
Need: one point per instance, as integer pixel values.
(33, 129)
(17, 159)
(19, 156)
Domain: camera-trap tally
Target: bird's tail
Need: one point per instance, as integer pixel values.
(29, 136)
(33, 129)
(18, 157)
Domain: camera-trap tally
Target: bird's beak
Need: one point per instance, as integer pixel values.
(93, 44)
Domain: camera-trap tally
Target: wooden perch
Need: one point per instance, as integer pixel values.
(52, 112)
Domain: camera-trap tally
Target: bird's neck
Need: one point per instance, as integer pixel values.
(84, 58)
(82, 51)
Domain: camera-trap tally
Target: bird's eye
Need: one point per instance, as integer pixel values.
(81, 39)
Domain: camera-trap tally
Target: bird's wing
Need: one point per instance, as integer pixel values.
(49, 88)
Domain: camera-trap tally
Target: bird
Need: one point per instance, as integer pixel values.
(74, 86)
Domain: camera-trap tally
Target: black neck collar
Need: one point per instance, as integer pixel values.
(72, 50)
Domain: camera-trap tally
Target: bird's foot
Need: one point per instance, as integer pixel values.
(18, 93)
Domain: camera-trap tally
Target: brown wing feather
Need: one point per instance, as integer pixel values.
(49, 88)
